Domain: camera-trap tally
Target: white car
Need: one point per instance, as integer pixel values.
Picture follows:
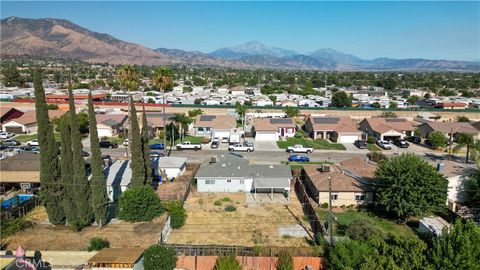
(125, 143)
(33, 143)
(186, 145)
(240, 147)
(6, 135)
(298, 148)
(384, 144)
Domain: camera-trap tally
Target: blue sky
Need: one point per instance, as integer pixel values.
(434, 30)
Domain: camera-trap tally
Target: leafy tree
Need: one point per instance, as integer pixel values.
(348, 254)
(437, 139)
(388, 114)
(473, 189)
(463, 118)
(163, 79)
(195, 112)
(465, 140)
(98, 188)
(396, 253)
(427, 96)
(159, 258)
(390, 84)
(363, 230)
(182, 121)
(146, 148)
(52, 107)
(137, 159)
(128, 77)
(341, 99)
(98, 243)
(285, 261)
(139, 203)
(241, 110)
(376, 105)
(82, 122)
(393, 105)
(291, 111)
(407, 185)
(456, 248)
(11, 76)
(177, 213)
(412, 100)
(50, 177)
(227, 262)
(168, 132)
(83, 210)
(66, 165)
(273, 99)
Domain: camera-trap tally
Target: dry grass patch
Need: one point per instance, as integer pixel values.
(248, 225)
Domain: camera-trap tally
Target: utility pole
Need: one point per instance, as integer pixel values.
(129, 136)
(330, 215)
(450, 145)
(164, 123)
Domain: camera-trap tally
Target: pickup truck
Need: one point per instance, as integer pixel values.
(188, 146)
(240, 147)
(298, 148)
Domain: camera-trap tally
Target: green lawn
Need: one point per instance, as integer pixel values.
(387, 226)
(28, 137)
(316, 144)
(373, 147)
(116, 140)
(192, 139)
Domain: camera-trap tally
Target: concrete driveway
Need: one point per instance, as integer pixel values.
(266, 146)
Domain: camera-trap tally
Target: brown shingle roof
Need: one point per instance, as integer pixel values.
(216, 121)
(117, 256)
(271, 124)
(338, 124)
(29, 117)
(110, 119)
(359, 166)
(457, 127)
(382, 125)
(340, 181)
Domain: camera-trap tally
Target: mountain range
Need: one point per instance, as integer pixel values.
(61, 38)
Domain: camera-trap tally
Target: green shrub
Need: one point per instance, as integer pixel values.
(177, 213)
(157, 257)
(139, 204)
(217, 203)
(226, 199)
(97, 243)
(228, 262)
(363, 230)
(377, 156)
(371, 139)
(334, 137)
(437, 139)
(324, 205)
(230, 208)
(299, 135)
(11, 226)
(285, 261)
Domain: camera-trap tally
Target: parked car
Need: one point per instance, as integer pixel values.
(225, 140)
(157, 146)
(11, 142)
(215, 143)
(248, 143)
(401, 143)
(360, 144)
(187, 145)
(6, 135)
(155, 154)
(240, 147)
(414, 139)
(125, 143)
(108, 144)
(384, 144)
(33, 143)
(85, 154)
(298, 158)
(298, 148)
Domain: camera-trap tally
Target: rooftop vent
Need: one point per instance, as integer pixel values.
(327, 168)
(213, 159)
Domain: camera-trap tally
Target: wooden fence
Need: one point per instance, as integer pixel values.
(308, 209)
(20, 210)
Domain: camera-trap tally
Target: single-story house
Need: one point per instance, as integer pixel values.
(109, 125)
(347, 188)
(451, 105)
(118, 175)
(173, 167)
(9, 113)
(155, 121)
(447, 128)
(457, 176)
(339, 129)
(433, 224)
(233, 173)
(20, 171)
(271, 129)
(387, 128)
(476, 125)
(215, 126)
(117, 258)
(27, 123)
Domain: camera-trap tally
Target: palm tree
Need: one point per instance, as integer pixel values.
(466, 140)
(182, 121)
(163, 78)
(241, 110)
(128, 77)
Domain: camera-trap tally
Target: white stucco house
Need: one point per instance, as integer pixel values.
(173, 167)
(215, 126)
(118, 175)
(271, 129)
(109, 125)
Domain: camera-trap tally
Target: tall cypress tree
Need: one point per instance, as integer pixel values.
(66, 165)
(137, 161)
(98, 185)
(146, 148)
(51, 192)
(81, 196)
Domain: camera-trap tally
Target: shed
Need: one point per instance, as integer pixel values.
(172, 166)
(433, 224)
(118, 258)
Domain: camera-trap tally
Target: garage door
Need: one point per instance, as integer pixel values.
(265, 136)
(16, 130)
(104, 132)
(347, 138)
(221, 134)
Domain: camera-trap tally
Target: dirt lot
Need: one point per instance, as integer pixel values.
(44, 236)
(249, 225)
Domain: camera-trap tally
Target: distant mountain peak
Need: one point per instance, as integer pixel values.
(251, 48)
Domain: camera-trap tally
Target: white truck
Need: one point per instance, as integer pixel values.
(241, 147)
(298, 148)
(187, 145)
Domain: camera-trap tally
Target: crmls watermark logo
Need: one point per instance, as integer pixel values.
(32, 263)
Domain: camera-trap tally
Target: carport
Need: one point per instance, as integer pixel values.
(271, 185)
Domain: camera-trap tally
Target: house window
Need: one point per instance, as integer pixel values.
(359, 197)
(334, 196)
(242, 182)
(209, 182)
(229, 181)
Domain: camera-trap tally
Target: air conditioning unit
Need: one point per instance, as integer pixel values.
(213, 159)
(326, 168)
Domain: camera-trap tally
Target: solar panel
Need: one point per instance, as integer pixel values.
(207, 117)
(326, 120)
(394, 120)
(280, 121)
